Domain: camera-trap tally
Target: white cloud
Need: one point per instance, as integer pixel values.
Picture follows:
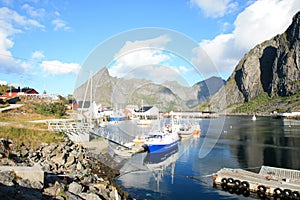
(215, 8)
(12, 23)
(157, 74)
(37, 55)
(252, 26)
(3, 82)
(33, 12)
(56, 67)
(139, 53)
(60, 24)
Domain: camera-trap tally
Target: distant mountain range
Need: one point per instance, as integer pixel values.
(272, 67)
(112, 91)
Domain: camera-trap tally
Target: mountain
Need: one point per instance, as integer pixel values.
(208, 87)
(112, 91)
(271, 67)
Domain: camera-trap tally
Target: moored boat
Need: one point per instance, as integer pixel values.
(189, 129)
(161, 140)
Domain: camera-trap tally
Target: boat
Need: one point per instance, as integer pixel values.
(185, 128)
(161, 140)
(158, 159)
(189, 129)
(127, 150)
(254, 117)
(145, 122)
(116, 118)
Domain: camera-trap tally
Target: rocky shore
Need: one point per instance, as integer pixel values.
(70, 172)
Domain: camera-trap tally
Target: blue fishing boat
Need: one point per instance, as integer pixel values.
(161, 140)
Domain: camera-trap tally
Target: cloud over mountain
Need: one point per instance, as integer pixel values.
(252, 26)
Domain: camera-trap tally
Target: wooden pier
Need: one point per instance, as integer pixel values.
(270, 182)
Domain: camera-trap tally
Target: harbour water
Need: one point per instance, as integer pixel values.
(232, 142)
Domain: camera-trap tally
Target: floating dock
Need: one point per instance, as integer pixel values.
(270, 182)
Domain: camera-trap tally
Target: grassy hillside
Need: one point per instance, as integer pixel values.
(265, 105)
(16, 125)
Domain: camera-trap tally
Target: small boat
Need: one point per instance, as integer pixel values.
(189, 129)
(145, 122)
(161, 140)
(253, 117)
(127, 150)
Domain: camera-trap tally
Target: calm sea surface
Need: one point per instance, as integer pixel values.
(233, 142)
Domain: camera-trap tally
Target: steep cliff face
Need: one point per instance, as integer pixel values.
(272, 67)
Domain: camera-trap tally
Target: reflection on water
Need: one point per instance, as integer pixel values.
(243, 143)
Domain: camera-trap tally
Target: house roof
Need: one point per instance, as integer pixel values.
(25, 89)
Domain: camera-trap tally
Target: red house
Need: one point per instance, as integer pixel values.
(19, 92)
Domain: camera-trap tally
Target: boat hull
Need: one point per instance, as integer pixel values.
(158, 148)
(115, 118)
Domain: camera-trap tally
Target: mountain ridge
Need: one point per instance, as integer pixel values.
(170, 95)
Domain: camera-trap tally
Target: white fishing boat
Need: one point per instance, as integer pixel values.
(188, 129)
(161, 140)
(184, 127)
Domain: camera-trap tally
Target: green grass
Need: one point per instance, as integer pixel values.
(29, 137)
(264, 103)
(254, 104)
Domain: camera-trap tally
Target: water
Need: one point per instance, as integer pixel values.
(233, 142)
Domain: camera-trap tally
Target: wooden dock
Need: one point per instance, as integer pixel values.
(270, 182)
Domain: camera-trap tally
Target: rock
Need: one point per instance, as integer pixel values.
(114, 194)
(70, 161)
(87, 179)
(6, 161)
(92, 196)
(7, 178)
(80, 156)
(75, 188)
(72, 196)
(59, 159)
(79, 166)
(24, 153)
(24, 183)
(59, 198)
(101, 186)
(37, 185)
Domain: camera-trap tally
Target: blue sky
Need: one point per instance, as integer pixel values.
(46, 44)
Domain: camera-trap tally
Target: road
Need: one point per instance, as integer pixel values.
(10, 107)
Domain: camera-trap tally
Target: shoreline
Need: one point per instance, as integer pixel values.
(70, 171)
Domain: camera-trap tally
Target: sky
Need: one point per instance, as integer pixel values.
(48, 45)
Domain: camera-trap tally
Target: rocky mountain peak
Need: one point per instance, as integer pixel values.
(272, 67)
(293, 32)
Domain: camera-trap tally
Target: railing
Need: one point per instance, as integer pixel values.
(68, 127)
(118, 137)
(82, 131)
